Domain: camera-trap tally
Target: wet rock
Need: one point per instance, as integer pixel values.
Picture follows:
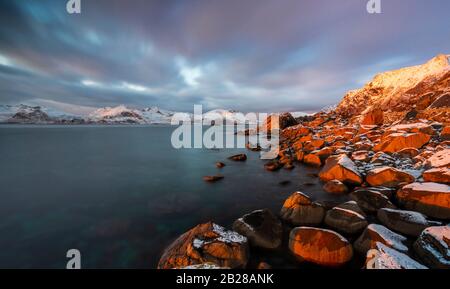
(377, 233)
(298, 209)
(206, 243)
(261, 228)
(384, 257)
(345, 220)
(320, 246)
(220, 164)
(341, 168)
(433, 247)
(335, 187)
(371, 200)
(212, 179)
(431, 199)
(238, 157)
(406, 222)
(388, 177)
(437, 175)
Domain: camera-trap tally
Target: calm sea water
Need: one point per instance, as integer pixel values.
(120, 194)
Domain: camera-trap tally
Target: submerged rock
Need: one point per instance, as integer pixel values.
(320, 246)
(261, 228)
(220, 164)
(377, 233)
(383, 257)
(212, 179)
(206, 243)
(239, 157)
(298, 209)
(431, 199)
(433, 247)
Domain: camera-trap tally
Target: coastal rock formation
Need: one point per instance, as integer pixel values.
(431, 199)
(206, 243)
(261, 228)
(345, 220)
(373, 117)
(384, 257)
(433, 247)
(340, 168)
(406, 222)
(298, 209)
(377, 233)
(320, 246)
(388, 177)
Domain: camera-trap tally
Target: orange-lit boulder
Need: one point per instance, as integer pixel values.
(413, 127)
(345, 220)
(373, 117)
(320, 246)
(433, 247)
(312, 160)
(445, 133)
(363, 156)
(395, 142)
(238, 157)
(298, 209)
(439, 159)
(408, 152)
(388, 177)
(437, 175)
(377, 233)
(431, 199)
(335, 187)
(340, 168)
(206, 243)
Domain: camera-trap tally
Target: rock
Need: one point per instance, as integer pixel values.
(206, 243)
(264, 266)
(388, 177)
(335, 187)
(345, 220)
(352, 206)
(312, 160)
(363, 156)
(437, 175)
(388, 192)
(320, 246)
(370, 200)
(272, 166)
(384, 257)
(406, 222)
(238, 157)
(397, 141)
(408, 152)
(377, 233)
(373, 117)
(279, 121)
(439, 159)
(431, 199)
(433, 247)
(441, 101)
(212, 179)
(445, 133)
(340, 168)
(298, 209)
(261, 228)
(207, 265)
(220, 164)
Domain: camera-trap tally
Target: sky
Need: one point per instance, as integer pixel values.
(252, 55)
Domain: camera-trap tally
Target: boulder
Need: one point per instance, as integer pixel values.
(373, 117)
(408, 152)
(445, 133)
(377, 233)
(335, 187)
(320, 246)
(206, 243)
(220, 165)
(212, 179)
(340, 168)
(363, 156)
(433, 247)
(383, 257)
(388, 177)
(345, 220)
(238, 157)
(371, 200)
(406, 222)
(437, 175)
(439, 159)
(312, 160)
(388, 192)
(298, 209)
(397, 141)
(272, 166)
(261, 228)
(431, 199)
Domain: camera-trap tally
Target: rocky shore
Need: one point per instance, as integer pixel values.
(386, 145)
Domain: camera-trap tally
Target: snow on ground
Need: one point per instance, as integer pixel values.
(393, 239)
(388, 258)
(428, 187)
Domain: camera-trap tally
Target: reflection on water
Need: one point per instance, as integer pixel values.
(120, 194)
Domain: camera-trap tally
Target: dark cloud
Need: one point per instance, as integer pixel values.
(264, 55)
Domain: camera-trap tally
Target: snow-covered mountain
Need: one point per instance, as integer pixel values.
(28, 114)
(122, 115)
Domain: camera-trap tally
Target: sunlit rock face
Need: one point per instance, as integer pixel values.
(388, 177)
(206, 243)
(401, 89)
(298, 209)
(320, 246)
(431, 199)
(340, 168)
